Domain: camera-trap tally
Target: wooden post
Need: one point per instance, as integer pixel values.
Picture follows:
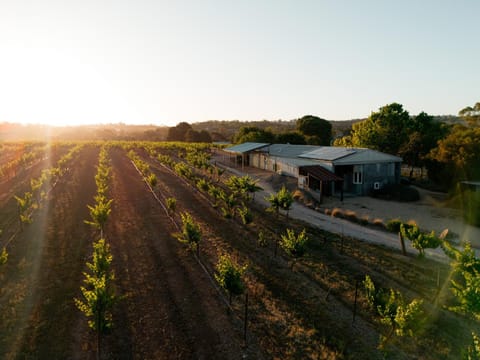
(355, 301)
(245, 319)
(276, 245)
(402, 243)
(321, 191)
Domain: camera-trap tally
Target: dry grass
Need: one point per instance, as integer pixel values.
(337, 212)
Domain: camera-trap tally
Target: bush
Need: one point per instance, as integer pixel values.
(393, 225)
(351, 215)
(336, 212)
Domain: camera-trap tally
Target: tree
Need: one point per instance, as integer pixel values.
(178, 132)
(471, 115)
(254, 134)
(456, 157)
(229, 275)
(317, 131)
(292, 137)
(385, 130)
(423, 135)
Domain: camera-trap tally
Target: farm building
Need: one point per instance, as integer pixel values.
(328, 169)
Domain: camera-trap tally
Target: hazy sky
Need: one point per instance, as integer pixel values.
(163, 62)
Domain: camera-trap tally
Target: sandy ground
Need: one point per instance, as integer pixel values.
(429, 213)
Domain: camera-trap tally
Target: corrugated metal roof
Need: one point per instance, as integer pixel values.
(329, 153)
(245, 147)
(289, 150)
(319, 172)
(366, 156)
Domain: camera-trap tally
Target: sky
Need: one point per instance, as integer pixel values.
(162, 62)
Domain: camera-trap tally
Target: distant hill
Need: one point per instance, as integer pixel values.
(120, 131)
(220, 130)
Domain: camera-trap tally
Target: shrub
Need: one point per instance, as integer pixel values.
(420, 240)
(294, 245)
(337, 212)
(262, 240)
(152, 180)
(245, 214)
(351, 215)
(393, 225)
(379, 222)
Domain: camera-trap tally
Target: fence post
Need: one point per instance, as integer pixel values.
(402, 243)
(246, 319)
(355, 301)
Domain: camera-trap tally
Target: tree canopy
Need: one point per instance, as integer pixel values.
(317, 131)
(254, 134)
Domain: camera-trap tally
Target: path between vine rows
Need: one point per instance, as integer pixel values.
(44, 271)
(170, 309)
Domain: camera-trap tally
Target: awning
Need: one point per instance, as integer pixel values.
(319, 173)
(245, 147)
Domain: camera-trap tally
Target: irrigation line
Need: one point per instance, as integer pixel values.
(155, 196)
(209, 276)
(13, 220)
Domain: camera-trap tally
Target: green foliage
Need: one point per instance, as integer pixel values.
(291, 137)
(3, 256)
(242, 185)
(316, 130)
(152, 180)
(245, 214)
(99, 213)
(294, 245)
(465, 279)
(171, 205)
(229, 275)
(254, 134)
(202, 184)
(262, 240)
(283, 199)
(473, 351)
(393, 225)
(401, 317)
(419, 239)
(456, 157)
(191, 233)
(98, 294)
(230, 202)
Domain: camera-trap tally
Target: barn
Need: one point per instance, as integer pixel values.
(328, 169)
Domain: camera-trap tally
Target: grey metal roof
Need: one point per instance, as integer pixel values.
(289, 150)
(329, 153)
(349, 156)
(245, 147)
(366, 156)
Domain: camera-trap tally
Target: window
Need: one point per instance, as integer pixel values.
(357, 175)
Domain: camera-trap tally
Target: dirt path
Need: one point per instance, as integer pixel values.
(170, 309)
(44, 270)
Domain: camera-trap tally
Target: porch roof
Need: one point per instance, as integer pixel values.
(319, 173)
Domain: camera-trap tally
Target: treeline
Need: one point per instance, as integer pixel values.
(449, 151)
